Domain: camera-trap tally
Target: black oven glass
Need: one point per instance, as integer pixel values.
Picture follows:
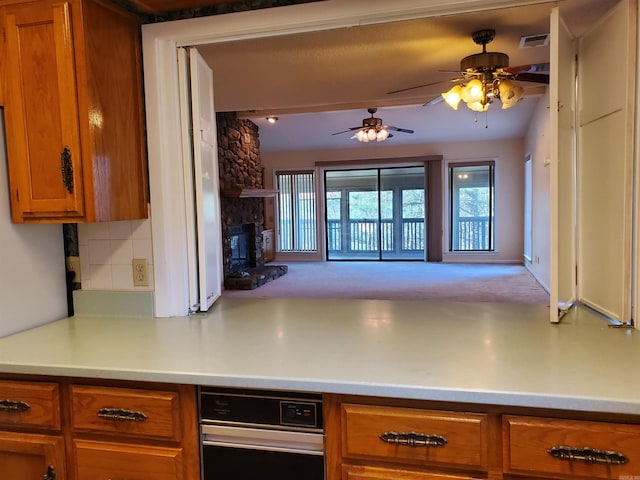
(224, 463)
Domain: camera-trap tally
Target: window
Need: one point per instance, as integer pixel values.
(296, 211)
(471, 207)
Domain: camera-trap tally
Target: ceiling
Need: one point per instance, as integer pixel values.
(319, 83)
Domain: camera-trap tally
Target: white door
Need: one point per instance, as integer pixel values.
(562, 94)
(200, 154)
(606, 79)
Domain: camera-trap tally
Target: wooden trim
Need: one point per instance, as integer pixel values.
(379, 161)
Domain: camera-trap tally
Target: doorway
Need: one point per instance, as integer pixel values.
(375, 214)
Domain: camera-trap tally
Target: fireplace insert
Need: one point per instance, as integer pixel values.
(240, 238)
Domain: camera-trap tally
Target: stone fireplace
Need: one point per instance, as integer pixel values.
(241, 170)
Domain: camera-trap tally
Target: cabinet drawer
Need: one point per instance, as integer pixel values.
(400, 434)
(571, 447)
(30, 404)
(128, 412)
(373, 473)
(98, 460)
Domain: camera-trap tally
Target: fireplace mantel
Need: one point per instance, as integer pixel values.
(248, 193)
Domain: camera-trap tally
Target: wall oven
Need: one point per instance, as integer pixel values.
(270, 435)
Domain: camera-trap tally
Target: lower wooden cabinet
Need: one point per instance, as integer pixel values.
(57, 429)
(373, 473)
(100, 460)
(25, 456)
(393, 439)
(571, 448)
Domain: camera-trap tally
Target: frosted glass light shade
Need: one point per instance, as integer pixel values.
(510, 93)
(473, 91)
(453, 96)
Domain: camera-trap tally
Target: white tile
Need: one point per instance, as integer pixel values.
(121, 252)
(92, 231)
(83, 251)
(101, 277)
(141, 229)
(122, 276)
(142, 249)
(99, 252)
(120, 230)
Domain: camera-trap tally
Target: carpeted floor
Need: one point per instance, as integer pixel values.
(404, 281)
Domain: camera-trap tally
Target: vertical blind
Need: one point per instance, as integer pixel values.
(296, 211)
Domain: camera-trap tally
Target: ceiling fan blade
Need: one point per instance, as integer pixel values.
(397, 129)
(424, 85)
(533, 77)
(345, 131)
(533, 68)
(433, 101)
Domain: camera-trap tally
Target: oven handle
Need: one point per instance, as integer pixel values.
(262, 439)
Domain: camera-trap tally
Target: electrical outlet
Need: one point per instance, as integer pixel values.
(73, 265)
(140, 278)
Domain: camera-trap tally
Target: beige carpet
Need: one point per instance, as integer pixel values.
(403, 281)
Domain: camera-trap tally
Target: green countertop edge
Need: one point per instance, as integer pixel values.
(113, 303)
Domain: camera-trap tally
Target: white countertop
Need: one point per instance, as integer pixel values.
(505, 354)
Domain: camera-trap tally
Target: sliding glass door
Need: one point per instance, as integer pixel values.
(375, 214)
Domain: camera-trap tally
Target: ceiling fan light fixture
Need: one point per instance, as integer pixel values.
(510, 93)
(453, 96)
(478, 106)
(473, 91)
(382, 135)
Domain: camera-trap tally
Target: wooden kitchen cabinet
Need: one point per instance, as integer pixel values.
(561, 448)
(483, 442)
(97, 429)
(125, 431)
(369, 441)
(31, 439)
(72, 95)
(32, 456)
(98, 460)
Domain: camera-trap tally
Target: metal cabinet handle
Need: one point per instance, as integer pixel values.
(51, 473)
(121, 414)
(14, 406)
(587, 455)
(413, 439)
(66, 169)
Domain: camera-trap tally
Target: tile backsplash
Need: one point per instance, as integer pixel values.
(107, 250)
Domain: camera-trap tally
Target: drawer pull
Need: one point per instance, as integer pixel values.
(14, 406)
(66, 169)
(121, 415)
(413, 439)
(587, 455)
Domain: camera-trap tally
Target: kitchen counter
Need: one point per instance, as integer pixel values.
(503, 354)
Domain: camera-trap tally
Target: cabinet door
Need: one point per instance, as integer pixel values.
(41, 111)
(29, 457)
(100, 460)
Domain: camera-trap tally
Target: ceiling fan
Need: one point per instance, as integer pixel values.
(486, 76)
(373, 129)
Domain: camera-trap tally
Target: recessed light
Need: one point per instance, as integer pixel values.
(272, 119)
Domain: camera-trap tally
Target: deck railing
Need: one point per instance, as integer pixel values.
(471, 233)
(361, 236)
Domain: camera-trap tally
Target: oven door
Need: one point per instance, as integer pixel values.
(248, 453)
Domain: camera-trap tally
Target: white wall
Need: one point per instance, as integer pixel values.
(32, 284)
(538, 146)
(508, 155)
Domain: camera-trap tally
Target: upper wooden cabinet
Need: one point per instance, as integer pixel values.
(73, 112)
